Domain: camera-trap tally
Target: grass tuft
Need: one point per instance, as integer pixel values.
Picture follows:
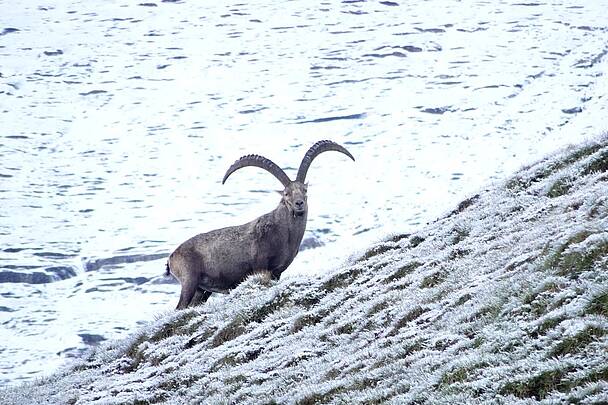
(399, 237)
(433, 279)
(237, 326)
(175, 327)
(600, 164)
(341, 280)
(539, 385)
(460, 234)
(173, 384)
(459, 374)
(575, 263)
(538, 301)
(171, 328)
(598, 305)
(409, 317)
(402, 272)
(464, 205)
(578, 342)
(415, 241)
(135, 355)
(321, 398)
(561, 187)
(261, 277)
(547, 324)
(305, 320)
(231, 331)
(282, 300)
(345, 329)
(376, 251)
(463, 298)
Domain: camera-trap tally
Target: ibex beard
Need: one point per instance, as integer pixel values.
(217, 261)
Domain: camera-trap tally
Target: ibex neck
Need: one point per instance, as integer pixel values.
(296, 225)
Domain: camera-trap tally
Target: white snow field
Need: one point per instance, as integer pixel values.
(502, 300)
(119, 118)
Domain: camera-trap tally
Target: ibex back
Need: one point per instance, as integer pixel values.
(219, 260)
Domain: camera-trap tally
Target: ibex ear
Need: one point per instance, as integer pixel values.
(306, 186)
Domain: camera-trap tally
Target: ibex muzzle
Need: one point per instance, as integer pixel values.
(219, 260)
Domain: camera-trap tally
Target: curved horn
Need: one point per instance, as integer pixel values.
(314, 151)
(258, 161)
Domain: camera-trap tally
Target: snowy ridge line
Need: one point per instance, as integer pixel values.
(503, 300)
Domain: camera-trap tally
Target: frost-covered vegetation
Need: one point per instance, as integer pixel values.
(505, 298)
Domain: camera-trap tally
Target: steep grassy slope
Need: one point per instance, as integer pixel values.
(505, 298)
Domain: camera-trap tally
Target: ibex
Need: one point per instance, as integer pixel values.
(217, 261)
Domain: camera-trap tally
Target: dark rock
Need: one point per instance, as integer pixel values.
(411, 48)
(432, 30)
(384, 55)
(88, 93)
(341, 117)
(437, 110)
(53, 255)
(49, 275)
(28, 278)
(310, 243)
(53, 53)
(91, 339)
(13, 250)
(574, 110)
(8, 31)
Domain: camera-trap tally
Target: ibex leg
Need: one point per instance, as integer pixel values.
(188, 292)
(200, 296)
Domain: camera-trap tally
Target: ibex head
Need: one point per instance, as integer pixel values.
(294, 194)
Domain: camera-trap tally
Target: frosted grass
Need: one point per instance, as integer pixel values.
(495, 301)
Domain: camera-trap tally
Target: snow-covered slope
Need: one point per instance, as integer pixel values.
(505, 297)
